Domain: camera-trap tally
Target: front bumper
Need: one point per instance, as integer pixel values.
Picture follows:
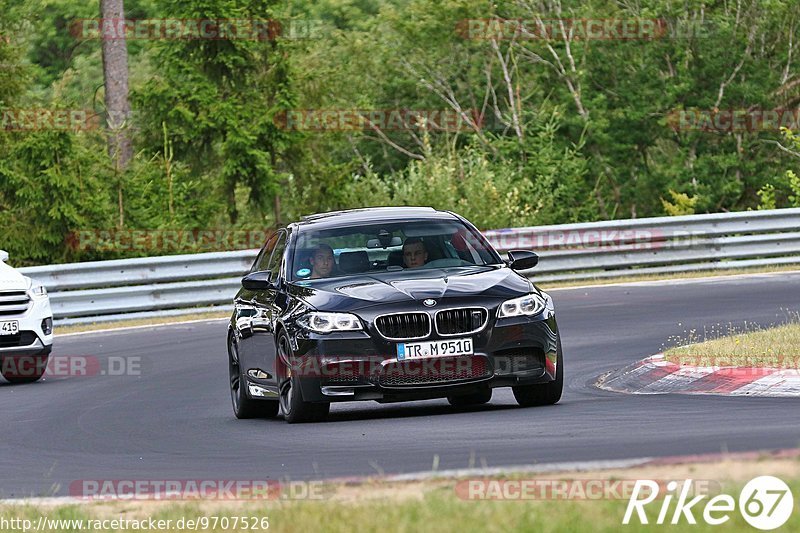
(32, 339)
(364, 366)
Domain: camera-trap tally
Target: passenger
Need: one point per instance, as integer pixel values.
(322, 262)
(415, 254)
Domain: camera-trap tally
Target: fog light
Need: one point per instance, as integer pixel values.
(47, 326)
(338, 391)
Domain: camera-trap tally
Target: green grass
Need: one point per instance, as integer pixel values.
(433, 509)
(752, 346)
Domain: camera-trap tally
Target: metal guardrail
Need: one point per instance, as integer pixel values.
(105, 290)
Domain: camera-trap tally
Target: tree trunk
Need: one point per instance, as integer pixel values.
(115, 77)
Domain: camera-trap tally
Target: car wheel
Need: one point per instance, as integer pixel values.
(243, 405)
(543, 394)
(25, 369)
(294, 408)
(475, 398)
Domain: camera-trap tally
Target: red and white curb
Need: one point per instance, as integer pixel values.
(656, 375)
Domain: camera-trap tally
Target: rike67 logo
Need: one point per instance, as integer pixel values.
(765, 503)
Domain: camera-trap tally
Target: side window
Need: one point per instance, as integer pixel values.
(274, 264)
(262, 260)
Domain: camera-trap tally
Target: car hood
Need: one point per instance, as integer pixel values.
(352, 293)
(11, 279)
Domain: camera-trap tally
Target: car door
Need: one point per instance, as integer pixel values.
(266, 304)
(246, 310)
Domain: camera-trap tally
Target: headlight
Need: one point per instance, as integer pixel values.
(39, 290)
(327, 322)
(36, 289)
(529, 305)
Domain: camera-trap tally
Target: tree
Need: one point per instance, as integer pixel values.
(218, 99)
(115, 78)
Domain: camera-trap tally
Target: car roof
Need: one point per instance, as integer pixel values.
(372, 214)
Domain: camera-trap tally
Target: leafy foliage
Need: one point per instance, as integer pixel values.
(552, 130)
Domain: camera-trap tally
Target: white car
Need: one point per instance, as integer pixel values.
(26, 325)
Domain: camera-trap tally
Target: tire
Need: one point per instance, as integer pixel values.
(243, 405)
(294, 408)
(24, 369)
(474, 398)
(543, 394)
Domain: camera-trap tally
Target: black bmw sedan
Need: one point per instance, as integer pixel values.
(388, 304)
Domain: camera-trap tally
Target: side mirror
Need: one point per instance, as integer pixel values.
(522, 259)
(259, 281)
(3, 256)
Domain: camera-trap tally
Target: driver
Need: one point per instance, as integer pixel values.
(322, 262)
(414, 252)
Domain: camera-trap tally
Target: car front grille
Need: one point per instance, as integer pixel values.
(434, 371)
(460, 321)
(403, 326)
(13, 302)
(23, 338)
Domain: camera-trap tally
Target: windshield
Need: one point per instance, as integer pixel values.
(387, 247)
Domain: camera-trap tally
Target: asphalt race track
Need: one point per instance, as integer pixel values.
(174, 421)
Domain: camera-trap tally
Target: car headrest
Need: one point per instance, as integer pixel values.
(459, 241)
(395, 258)
(303, 258)
(353, 262)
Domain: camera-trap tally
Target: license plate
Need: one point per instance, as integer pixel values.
(9, 327)
(419, 350)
